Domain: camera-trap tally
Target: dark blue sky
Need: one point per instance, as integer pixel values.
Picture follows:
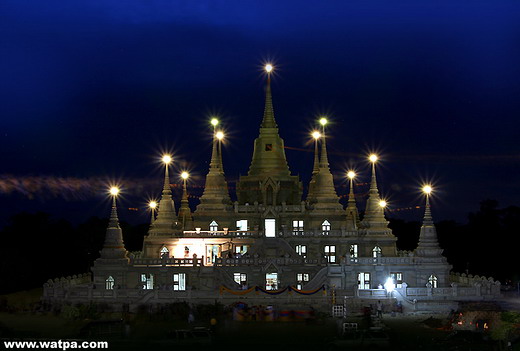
(95, 89)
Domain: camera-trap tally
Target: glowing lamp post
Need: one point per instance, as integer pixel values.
(373, 158)
(427, 189)
(268, 68)
(389, 285)
(153, 206)
(383, 204)
(167, 159)
(185, 176)
(214, 123)
(351, 175)
(114, 191)
(323, 122)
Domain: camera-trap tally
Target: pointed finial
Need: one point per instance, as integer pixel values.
(268, 121)
(114, 220)
(184, 211)
(215, 158)
(166, 159)
(351, 175)
(316, 168)
(184, 175)
(373, 183)
(323, 121)
(153, 205)
(324, 159)
(427, 189)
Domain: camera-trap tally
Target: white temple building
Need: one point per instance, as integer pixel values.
(272, 245)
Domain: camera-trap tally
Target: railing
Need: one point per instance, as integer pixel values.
(220, 233)
(380, 260)
(381, 293)
(166, 261)
(262, 261)
(317, 233)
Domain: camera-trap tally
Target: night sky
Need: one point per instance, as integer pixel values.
(95, 91)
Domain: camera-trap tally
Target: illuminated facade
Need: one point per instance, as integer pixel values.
(271, 238)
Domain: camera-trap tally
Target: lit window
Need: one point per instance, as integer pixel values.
(179, 281)
(213, 226)
(330, 253)
(363, 280)
(397, 278)
(241, 249)
(354, 251)
(270, 227)
(325, 227)
(242, 225)
(147, 280)
(297, 227)
(301, 250)
(109, 283)
(240, 279)
(376, 252)
(164, 252)
(433, 280)
(301, 279)
(212, 252)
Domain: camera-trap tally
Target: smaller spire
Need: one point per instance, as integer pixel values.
(374, 213)
(166, 209)
(215, 195)
(113, 247)
(322, 192)
(184, 211)
(428, 241)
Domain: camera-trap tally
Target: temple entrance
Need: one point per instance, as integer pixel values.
(271, 281)
(270, 227)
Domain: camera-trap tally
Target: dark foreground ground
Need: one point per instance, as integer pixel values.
(406, 332)
(419, 331)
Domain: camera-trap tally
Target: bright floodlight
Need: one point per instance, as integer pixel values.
(152, 204)
(185, 175)
(268, 68)
(389, 285)
(373, 158)
(114, 191)
(220, 135)
(351, 174)
(323, 121)
(214, 122)
(382, 203)
(167, 159)
(427, 189)
(316, 135)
